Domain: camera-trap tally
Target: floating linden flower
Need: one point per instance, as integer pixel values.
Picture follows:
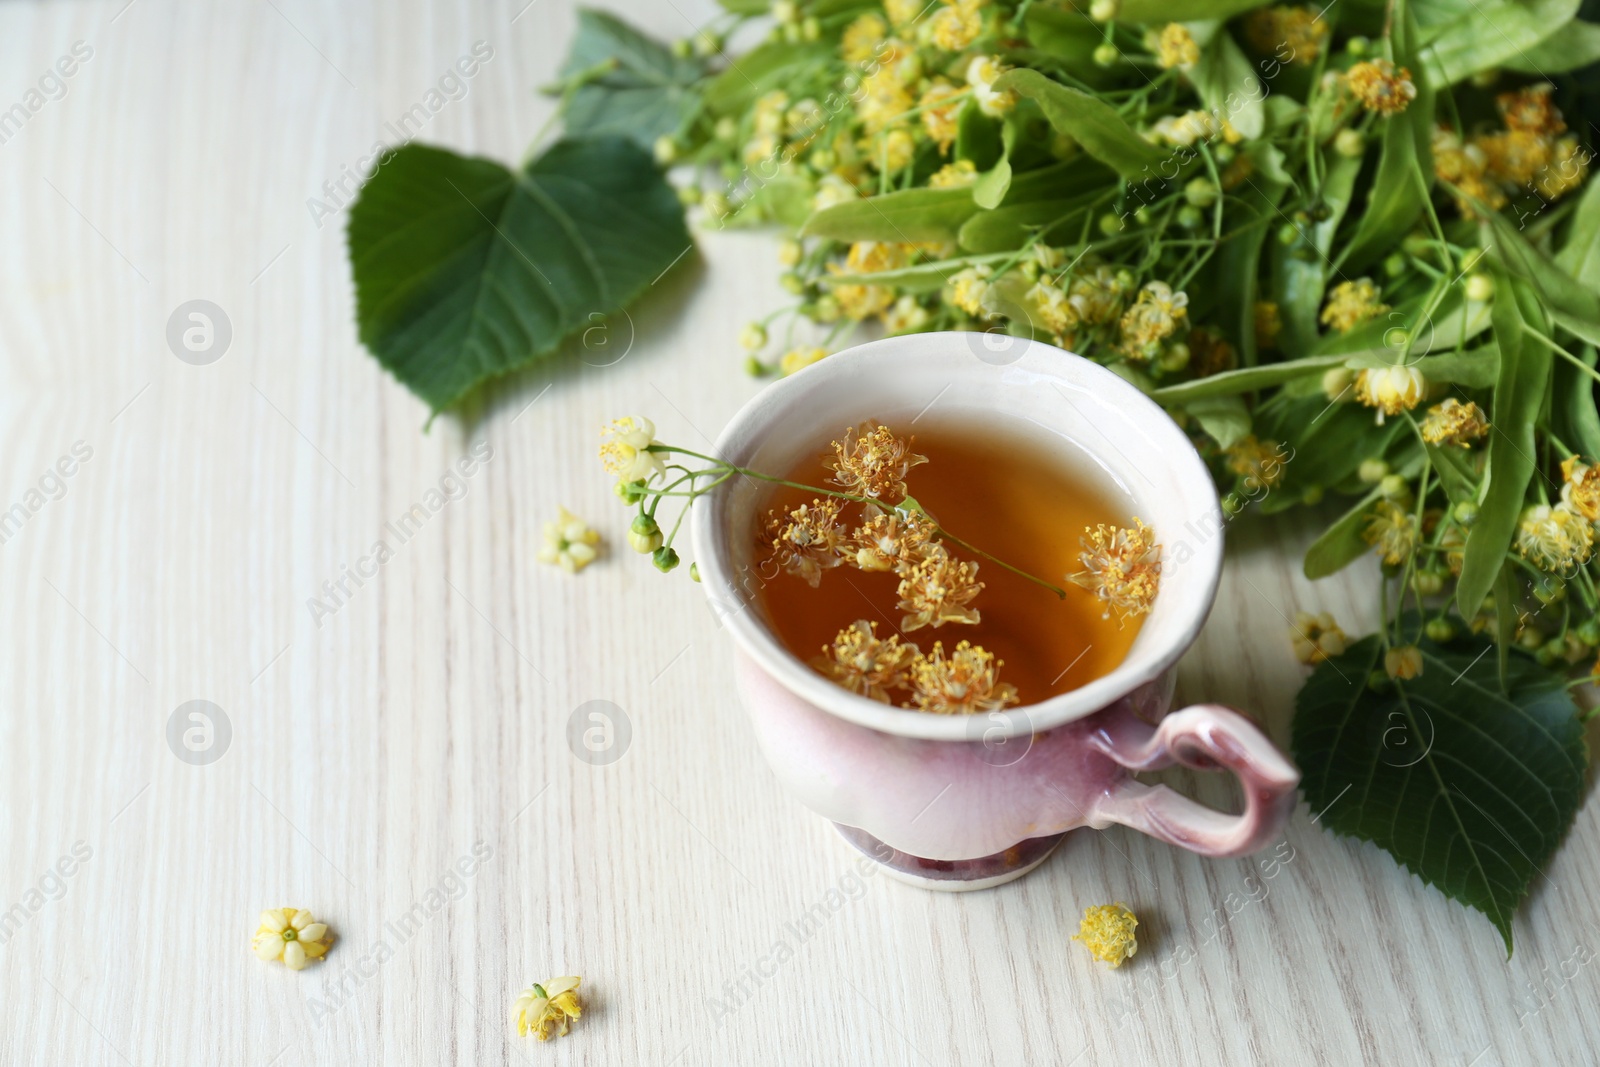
(938, 590)
(863, 664)
(872, 462)
(542, 1008)
(892, 540)
(1122, 568)
(808, 539)
(967, 683)
(1107, 931)
(292, 935)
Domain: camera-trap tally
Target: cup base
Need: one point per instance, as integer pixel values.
(952, 876)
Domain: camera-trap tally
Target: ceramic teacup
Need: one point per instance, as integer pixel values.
(965, 802)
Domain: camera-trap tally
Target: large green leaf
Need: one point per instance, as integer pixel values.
(1301, 272)
(774, 65)
(1342, 543)
(1091, 122)
(1490, 33)
(1575, 45)
(1559, 289)
(1580, 254)
(1469, 786)
(647, 93)
(1519, 394)
(1161, 11)
(465, 270)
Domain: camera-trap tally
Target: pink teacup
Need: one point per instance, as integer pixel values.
(966, 802)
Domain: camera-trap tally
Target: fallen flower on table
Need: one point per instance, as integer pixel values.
(569, 542)
(1107, 931)
(542, 1008)
(292, 935)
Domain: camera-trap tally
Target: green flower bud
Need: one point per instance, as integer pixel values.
(811, 29)
(1350, 144)
(1439, 631)
(1311, 495)
(683, 48)
(688, 195)
(1429, 583)
(753, 337)
(1189, 217)
(1111, 224)
(1588, 631)
(1394, 487)
(707, 43)
(1395, 265)
(1358, 46)
(793, 282)
(1531, 638)
(828, 308)
(755, 368)
(726, 129)
(1480, 287)
(664, 558)
(630, 493)
(1200, 192)
(694, 572)
(1232, 504)
(1106, 55)
(1372, 471)
(666, 150)
(1466, 512)
(1175, 358)
(790, 252)
(644, 536)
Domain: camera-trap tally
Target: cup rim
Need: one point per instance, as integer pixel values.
(744, 432)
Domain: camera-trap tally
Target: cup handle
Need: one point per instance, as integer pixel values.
(1206, 737)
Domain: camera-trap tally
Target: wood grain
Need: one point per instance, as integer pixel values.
(374, 747)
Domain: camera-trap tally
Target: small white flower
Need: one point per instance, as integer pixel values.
(292, 935)
(625, 451)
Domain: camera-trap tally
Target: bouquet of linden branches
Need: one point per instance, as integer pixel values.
(1354, 250)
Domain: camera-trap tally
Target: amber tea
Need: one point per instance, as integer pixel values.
(968, 544)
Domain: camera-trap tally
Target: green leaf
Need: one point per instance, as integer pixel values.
(1068, 36)
(1097, 128)
(909, 215)
(1518, 396)
(1246, 379)
(649, 93)
(1164, 11)
(1490, 33)
(745, 7)
(1559, 289)
(992, 186)
(1577, 420)
(1580, 255)
(1340, 544)
(1468, 787)
(1227, 83)
(1239, 264)
(1225, 418)
(465, 270)
(774, 65)
(1574, 46)
(1009, 226)
(1394, 200)
(1301, 273)
(1454, 467)
(1328, 442)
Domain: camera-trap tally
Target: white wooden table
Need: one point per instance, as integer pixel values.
(373, 748)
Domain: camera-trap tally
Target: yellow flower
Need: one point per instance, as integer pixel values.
(1532, 110)
(542, 1008)
(892, 540)
(982, 73)
(624, 450)
(1467, 168)
(1380, 86)
(1580, 490)
(903, 11)
(1054, 312)
(568, 542)
(861, 38)
(1175, 47)
(1292, 34)
(797, 359)
(1259, 463)
(940, 119)
(1403, 662)
(292, 935)
(906, 316)
(1096, 296)
(893, 151)
(957, 24)
(863, 664)
(1514, 156)
(769, 112)
(808, 539)
(968, 289)
(1316, 637)
(870, 257)
(1391, 389)
(858, 302)
(1186, 129)
(938, 589)
(1122, 568)
(1567, 169)
(1155, 314)
(1454, 423)
(883, 100)
(968, 683)
(957, 175)
(831, 190)
(1269, 322)
(871, 461)
(1392, 531)
(1108, 932)
(1555, 539)
(1352, 303)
